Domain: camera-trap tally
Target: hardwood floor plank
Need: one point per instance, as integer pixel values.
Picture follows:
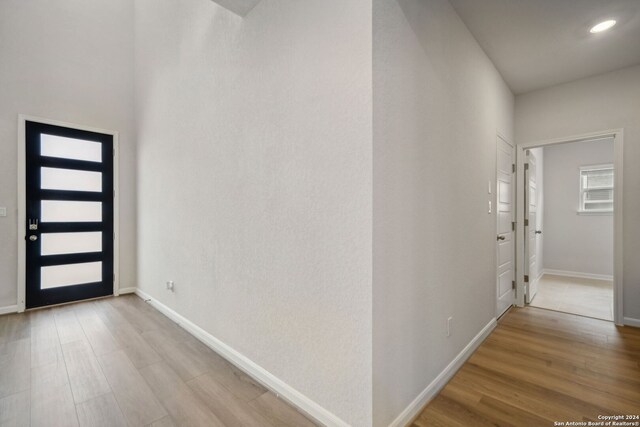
(14, 410)
(225, 373)
(15, 366)
(188, 410)
(184, 360)
(185, 408)
(231, 410)
(135, 346)
(457, 412)
(575, 385)
(52, 401)
(97, 334)
(524, 395)
(101, 411)
(14, 327)
(136, 400)
(119, 361)
(41, 317)
(162, 379)
(165, 422)
(279, 412)
(538, 367)
(69, 329)
(108, 313)
(45, 345)
(126, 306)
(85, 375)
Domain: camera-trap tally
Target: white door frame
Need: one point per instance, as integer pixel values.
(22, 201)
(618, 144)
(496, 204)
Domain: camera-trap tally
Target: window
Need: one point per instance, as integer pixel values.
(596, 189)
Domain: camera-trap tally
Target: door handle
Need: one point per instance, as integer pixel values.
(501, 237)
(33, 237)
(538, 231)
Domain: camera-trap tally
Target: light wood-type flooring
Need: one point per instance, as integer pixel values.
(540, 366)
(586, 297)
(118, 362)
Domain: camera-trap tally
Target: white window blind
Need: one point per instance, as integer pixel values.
(596, 188)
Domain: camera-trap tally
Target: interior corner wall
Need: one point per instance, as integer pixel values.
(607, 101)
(255, 186)
(70, 61)
(575, 243)
(438, 105)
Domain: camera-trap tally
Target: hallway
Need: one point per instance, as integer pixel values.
(540, 366)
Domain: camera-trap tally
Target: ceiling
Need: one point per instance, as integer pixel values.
(540, 43)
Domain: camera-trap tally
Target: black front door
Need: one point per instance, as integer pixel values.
(69, 206)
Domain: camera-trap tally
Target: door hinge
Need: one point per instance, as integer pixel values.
(526, 222)
(513, 284)
(114, 152)
(526, 166)
(513, 226)
(114, 277)
(526, 278)
(513, 168)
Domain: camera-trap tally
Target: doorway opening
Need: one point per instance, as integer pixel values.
(571, 225)
(67, 222)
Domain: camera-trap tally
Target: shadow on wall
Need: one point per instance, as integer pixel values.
(431, 32)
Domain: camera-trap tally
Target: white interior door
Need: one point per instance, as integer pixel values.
(530, 222)
(505, 198)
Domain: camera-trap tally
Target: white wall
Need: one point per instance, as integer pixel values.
(575, 243)
(603, 102)
(540, 238)
(255, 183)
(438, 104)
(67, 60)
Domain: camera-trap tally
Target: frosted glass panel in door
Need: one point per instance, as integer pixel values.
(69, 179)
(70, 148)
(70, 211)
(70, 243)
(56, 276)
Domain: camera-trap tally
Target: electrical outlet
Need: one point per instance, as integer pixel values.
(449, 320)
(170, 285)
(489, 206)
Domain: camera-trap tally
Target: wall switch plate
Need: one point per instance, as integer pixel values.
(489, 187)
(3, 211)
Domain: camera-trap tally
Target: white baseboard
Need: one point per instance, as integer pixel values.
(9, 309)
(578, 274)
(630, 321)
(441, 380)
(129, 290)
(267, 379)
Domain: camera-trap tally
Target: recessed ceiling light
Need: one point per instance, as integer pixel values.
(603, 26)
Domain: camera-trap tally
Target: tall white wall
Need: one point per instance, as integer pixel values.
(598, 103)
(255, 183)
(575, 243)
(438, 104)
(67, 60)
